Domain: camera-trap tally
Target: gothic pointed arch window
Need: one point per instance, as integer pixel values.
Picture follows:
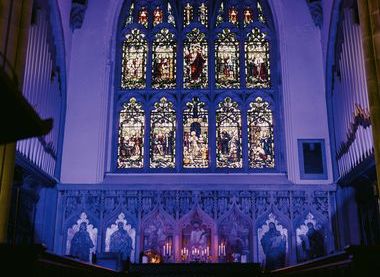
(227, 60)
(195, 52)
(257, 60)
(260, 134)
(134, 58)
(131, 135)
(195, 135)
(228, 134)
(162, 134)
(164, 60)
(196, 88)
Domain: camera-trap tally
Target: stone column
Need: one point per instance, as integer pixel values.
(369, 15)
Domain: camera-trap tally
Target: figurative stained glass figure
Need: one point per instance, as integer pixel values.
(131, 135)
(164, 57)
(228, 135)
(81, 243)
(195, 136)
(143, 16)
(248, 16)
(260, 135)
(257, 60)
(121, 242)
(188, 14)
(233, 15)
(158, 16)
(195, 64)
(227, 60)
(134, 60)
(203, 17)
(162, 144)
(274, 246)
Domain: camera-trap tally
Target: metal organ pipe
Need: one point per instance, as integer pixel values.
(41, 88)
(349, 94)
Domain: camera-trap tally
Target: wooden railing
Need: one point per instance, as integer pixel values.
(35, 261)
(353, 261)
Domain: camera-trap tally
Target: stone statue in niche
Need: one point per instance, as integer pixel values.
(120, 238)
(121, 242)
(273, 241)
(81, 239)
(234, 233)
(310, 240)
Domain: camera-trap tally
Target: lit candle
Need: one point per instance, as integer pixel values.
(170, 249)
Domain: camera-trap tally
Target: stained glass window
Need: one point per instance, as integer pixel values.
(260, 135)
(134, 60)
(188, 14)
(195, 63)
(158, 16)
(143, 16)
(151, 28)
(203, 14)
(195, 135)
(257, 60)
(164, 60)
(248, 16)
(162, 135)
(233, 15)
(131, 135)
(227, 60)
(228, 135)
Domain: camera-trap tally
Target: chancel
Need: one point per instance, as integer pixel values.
(195, 137)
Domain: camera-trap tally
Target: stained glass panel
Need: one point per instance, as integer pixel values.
(131, 135)
(195, 135)
(248, 16)
(219, 18)
(188, 14)
(195, 63)
(162, 135)
(260, 12)
(227, 60)
(134, 60)
(164, 60)
(203, 14)
(233, 15)
(257, 60)
(130, 16)
(171, 19)
(260, 135)
(143, 17)
(158, 16)
(228, 135)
